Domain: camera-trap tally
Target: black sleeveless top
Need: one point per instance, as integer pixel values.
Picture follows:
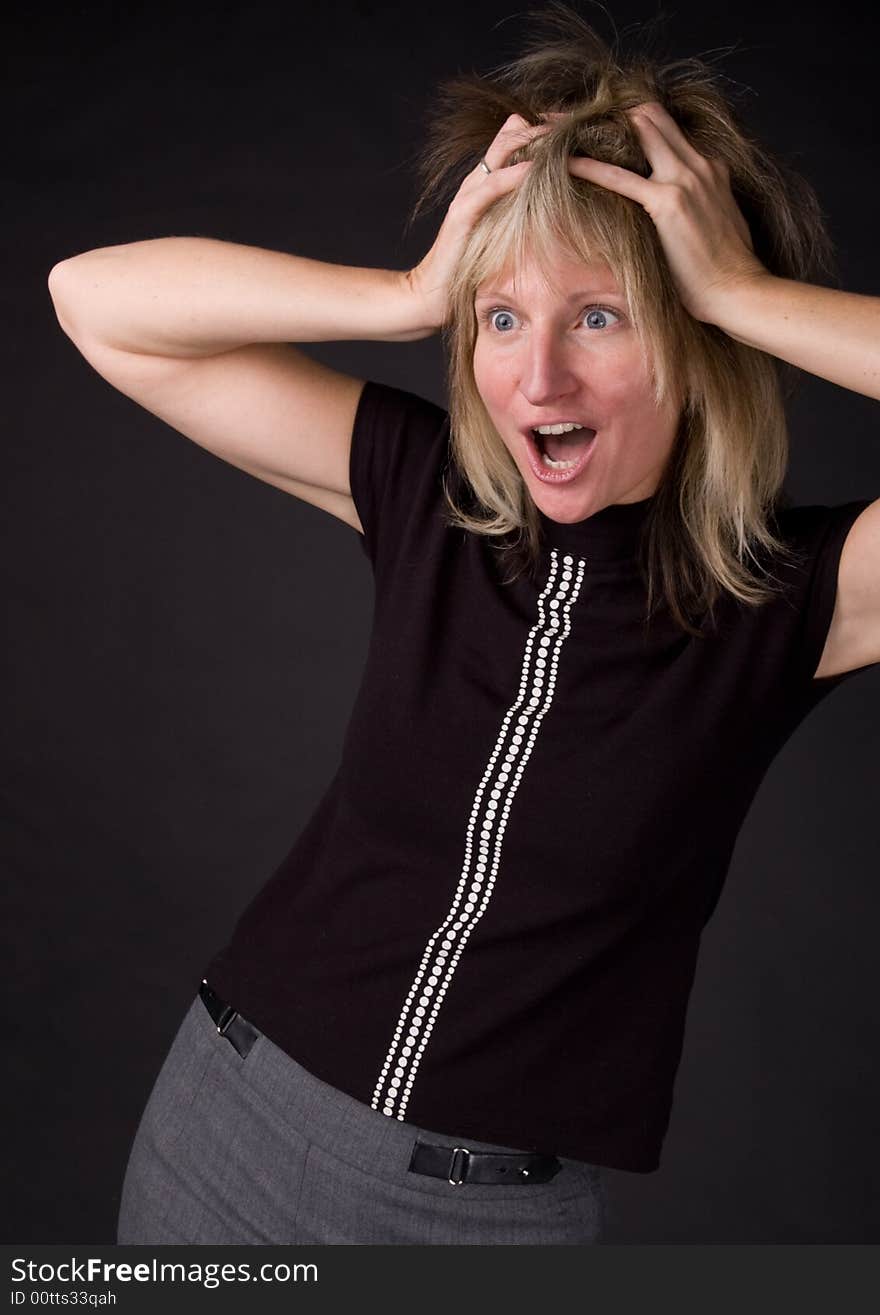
(490, 925)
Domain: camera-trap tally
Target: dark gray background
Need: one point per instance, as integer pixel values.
(185, 642)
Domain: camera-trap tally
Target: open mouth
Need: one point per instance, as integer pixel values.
(558, 458)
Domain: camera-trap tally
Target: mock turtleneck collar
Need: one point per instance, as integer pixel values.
(609, 535)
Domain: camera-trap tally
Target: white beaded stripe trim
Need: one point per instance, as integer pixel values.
(415, 1023)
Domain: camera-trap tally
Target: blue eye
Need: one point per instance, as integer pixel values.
(599, 310)
(492, 313)
(488, 317)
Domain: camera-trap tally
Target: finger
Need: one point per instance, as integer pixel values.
(472, 200)
(520, 130)
(509, 139)
(661, 135)
(516, 126)
(500, 179)
(611, 176)
(664, 160)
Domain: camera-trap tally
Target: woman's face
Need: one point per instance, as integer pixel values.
(541, 358)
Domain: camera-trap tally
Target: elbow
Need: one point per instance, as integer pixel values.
(58, 275)
(72, 284)
(60, 314)
(54, 279)
(60, 293)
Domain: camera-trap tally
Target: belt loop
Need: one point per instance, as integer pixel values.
(226, 1017)
(454, 1180)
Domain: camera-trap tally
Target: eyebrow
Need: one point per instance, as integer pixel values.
(572, 296)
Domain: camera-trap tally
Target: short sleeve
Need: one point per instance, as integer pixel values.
(818, 534)
(399, 450)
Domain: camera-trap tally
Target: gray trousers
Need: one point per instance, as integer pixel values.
(258, 1151)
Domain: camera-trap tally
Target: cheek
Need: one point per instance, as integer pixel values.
(621, 384)
(645, 432)
(632, 400)
(486, 377)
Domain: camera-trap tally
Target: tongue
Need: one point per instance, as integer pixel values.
(567, 447)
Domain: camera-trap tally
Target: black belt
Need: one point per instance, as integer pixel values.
(237, 1030)
(457, 1164)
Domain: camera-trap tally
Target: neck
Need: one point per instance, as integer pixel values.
(611, 534)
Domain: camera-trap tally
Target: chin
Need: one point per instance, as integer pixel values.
(563, 505)
(570, 514)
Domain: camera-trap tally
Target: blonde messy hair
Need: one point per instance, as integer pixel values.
(713, 507)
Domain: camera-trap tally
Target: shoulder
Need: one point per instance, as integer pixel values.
(835, 571)
(388, 404)
(399, 449)
(806, 525)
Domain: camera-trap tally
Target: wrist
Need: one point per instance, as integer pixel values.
(421, 313)
(733, 305)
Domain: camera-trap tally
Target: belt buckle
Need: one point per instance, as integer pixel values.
(457, 1182)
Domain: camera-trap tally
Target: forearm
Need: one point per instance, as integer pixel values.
(195, 296)
(829, 333)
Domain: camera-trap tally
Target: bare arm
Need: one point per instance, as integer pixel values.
(196, 296)
(199, 333)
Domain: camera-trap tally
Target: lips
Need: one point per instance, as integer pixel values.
(549, 475)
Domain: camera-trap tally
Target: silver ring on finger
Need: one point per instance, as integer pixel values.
(484, 165)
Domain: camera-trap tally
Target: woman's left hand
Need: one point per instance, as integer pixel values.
(701, 228)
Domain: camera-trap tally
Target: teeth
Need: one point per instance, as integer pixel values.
(556, 465)
(565, 428)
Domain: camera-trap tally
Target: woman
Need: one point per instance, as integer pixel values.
(462, 995)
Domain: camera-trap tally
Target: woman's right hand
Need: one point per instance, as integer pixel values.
(429, 280)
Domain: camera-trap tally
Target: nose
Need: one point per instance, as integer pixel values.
(546, 373)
